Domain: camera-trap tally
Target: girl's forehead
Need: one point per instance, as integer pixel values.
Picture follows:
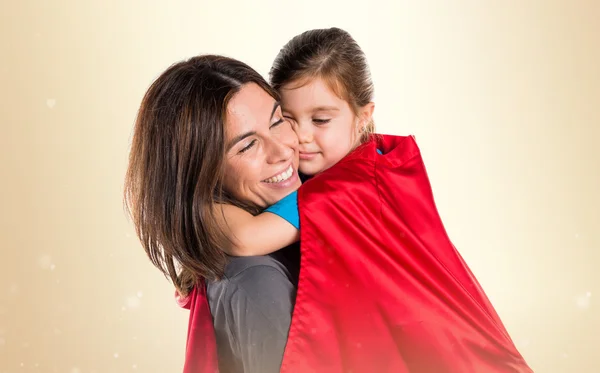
(308, 95)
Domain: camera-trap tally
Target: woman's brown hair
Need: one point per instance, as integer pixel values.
(332, 55)
(176, 163)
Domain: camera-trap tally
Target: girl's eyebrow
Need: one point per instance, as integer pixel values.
(325, 108)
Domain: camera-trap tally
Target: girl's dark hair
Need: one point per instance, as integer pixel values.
(176, 162)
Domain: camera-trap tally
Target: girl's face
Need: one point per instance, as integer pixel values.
(326, 125)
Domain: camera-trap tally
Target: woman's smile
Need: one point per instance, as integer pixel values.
(285, 180)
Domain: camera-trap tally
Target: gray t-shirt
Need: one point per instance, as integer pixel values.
(252, 310)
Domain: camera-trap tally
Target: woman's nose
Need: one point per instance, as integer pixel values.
(278, 151)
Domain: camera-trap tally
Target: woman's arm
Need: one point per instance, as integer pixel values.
(261, 234)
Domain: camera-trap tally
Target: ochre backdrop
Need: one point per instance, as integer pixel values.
(503, 97)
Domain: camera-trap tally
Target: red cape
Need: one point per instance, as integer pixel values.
(382, 288)
(201, 347)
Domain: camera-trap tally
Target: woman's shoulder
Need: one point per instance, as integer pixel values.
(254, 275)
(241, 269)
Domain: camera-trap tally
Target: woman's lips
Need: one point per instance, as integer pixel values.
(281, 176)
(290, 181)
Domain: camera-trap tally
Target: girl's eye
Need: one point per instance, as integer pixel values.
(290, 120)
(321, 121)
(247, 147)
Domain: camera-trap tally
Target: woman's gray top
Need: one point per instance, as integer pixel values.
(252, 310)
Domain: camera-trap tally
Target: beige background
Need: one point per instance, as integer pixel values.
(502, 96)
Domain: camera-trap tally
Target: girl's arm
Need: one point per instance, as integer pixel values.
(261, 234)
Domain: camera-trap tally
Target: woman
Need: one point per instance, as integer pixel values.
(187, 156)
(382, 288)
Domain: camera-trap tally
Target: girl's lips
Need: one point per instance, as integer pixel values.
(305, 156)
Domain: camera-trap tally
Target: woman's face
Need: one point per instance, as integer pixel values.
(261, 163)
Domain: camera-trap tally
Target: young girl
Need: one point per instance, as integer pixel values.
(326, 95)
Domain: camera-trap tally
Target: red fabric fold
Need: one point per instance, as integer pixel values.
(201, 347)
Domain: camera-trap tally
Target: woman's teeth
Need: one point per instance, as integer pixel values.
(281, 177)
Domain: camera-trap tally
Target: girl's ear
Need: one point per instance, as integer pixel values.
(366, 115)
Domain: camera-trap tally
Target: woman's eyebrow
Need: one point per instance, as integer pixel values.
(239, 138)
(275, 106)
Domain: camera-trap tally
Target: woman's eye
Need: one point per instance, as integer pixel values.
(321, 121)
(277, 123)
(247, 147)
